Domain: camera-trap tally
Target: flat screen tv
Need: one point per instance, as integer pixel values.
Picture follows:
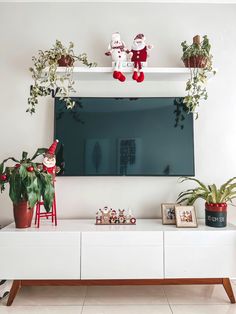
(124, 137)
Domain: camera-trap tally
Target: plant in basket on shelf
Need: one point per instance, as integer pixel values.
(216, 199)
(198, 58)
(27, 184)
(46, 79)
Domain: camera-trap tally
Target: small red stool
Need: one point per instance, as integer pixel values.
(52, 213)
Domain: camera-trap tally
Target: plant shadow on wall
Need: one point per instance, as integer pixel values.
(197, 57)
(46, 79)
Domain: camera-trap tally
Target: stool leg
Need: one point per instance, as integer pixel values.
(38, 216)
(36, 213)
(55, 210)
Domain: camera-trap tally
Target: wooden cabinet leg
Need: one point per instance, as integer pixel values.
(228, 289)
(13, 292)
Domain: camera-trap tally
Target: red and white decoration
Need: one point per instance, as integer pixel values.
(140, 51)
(49, 161)
(119, 53)
(110, 216)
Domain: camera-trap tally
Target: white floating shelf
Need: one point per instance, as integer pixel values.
(152, 73)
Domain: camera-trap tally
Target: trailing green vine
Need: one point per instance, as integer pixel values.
(46, 79)
(198, 58)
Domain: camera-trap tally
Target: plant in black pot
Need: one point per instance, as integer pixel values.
(197, 56)
(216, 199)
(47, 81)
(27, 185)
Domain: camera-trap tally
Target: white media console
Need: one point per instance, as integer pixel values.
(77, 252)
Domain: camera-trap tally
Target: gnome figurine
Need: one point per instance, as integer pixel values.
(49, 161)
(140, 52)
(119, 53)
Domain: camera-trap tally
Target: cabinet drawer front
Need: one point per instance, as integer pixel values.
(122, 255)
(201, 254)
(40, 255)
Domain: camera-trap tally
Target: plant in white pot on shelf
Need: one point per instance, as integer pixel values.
(46, 79)
(28, 183)
(216, 199)
(197, 56)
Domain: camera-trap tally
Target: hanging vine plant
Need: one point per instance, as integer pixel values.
(198, 58)
(46, 79)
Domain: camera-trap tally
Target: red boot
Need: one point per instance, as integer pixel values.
(121, 78)
(116, 75)
(135, 75)
(141, 77)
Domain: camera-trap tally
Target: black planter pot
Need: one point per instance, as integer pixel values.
(216, 215)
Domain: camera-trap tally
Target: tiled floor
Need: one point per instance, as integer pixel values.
(121, 300)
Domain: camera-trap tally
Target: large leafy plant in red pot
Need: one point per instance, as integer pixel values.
(27, 185)
(216, 199)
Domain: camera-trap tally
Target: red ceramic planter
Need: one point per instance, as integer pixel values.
(23, 214)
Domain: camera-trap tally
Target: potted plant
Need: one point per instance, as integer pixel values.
(216, 199)
(198, 58)
(27, 184)
(46, 79)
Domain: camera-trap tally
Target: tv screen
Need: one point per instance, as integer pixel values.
(124, 137)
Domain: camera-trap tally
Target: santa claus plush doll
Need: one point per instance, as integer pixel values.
(119, 53)
(49, 161)
(140, 52)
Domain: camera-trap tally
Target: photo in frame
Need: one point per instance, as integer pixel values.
(168, 213)
(185, 216)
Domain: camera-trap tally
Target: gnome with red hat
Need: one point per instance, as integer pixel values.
(140, 52)
(49, 161)
(119, 53)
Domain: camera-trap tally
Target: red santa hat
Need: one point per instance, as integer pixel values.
(139, 36)
(52, 148)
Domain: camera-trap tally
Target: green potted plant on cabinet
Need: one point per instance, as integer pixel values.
(27, 185)
(216, 199)
(46, 79)
(198, 58)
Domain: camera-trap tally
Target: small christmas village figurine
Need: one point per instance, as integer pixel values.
(110, 216)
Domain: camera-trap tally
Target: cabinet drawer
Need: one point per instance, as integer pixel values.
(40, 255)
(122, 255)
(200, 254)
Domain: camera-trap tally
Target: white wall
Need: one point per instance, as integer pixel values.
(25, 28)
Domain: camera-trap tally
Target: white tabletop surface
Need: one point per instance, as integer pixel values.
(73, 225)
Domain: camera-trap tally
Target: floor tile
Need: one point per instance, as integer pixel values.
(41, 310)
(196, 294)
(50, 296)
(125, 295)
(203, 309)
(127, 309)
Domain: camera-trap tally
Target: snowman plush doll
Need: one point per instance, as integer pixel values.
(140, 52)
(118, 51)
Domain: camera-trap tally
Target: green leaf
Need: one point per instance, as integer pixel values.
(24, 155)
(40, 151)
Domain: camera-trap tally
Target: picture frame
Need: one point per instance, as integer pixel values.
(185, 216)
(168, 213)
